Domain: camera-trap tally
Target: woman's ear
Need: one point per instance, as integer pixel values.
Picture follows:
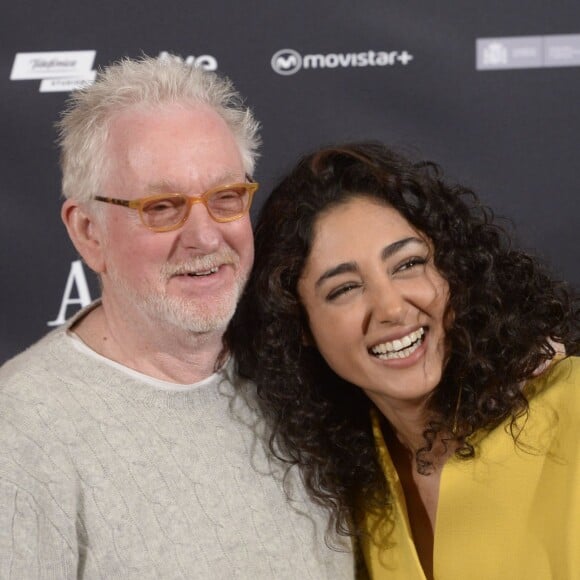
(85, 232)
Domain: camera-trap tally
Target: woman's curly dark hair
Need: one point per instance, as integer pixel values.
(505, 309)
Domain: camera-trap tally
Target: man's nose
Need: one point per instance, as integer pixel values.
(200, 231)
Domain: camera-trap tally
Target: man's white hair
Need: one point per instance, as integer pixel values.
(84, 125)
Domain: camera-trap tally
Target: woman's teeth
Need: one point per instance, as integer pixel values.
(401, 347)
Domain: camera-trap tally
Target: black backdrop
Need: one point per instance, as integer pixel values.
(500, 114)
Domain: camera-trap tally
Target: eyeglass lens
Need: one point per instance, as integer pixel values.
(170, 210)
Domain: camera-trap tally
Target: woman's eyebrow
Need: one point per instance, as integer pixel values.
(351, 267)
(393, 248)
(344, 268)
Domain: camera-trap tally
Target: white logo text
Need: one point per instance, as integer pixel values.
(288, 61)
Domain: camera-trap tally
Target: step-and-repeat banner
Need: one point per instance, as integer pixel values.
(490, 90)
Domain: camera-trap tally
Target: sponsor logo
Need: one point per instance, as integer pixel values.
(67, 84)
(57, 71)
(562, 50)
(519, 52)
(288, 61)
(495, 54)
(70, 70)
(43, 65)
(204, 61)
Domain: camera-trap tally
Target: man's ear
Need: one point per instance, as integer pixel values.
(86, 233)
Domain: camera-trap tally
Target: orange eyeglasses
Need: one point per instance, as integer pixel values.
(169, 211)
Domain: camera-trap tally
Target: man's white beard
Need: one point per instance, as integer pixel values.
(191, 315)
(188, 314)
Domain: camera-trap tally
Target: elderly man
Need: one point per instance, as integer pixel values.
(128, 447)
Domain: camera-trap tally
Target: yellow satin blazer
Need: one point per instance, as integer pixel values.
(511, 512)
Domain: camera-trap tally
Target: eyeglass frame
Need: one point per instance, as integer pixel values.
(138, 203)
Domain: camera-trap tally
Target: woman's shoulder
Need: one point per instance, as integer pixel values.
(554, 397)
(562, 376)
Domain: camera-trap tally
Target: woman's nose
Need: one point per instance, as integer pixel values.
(388, 303)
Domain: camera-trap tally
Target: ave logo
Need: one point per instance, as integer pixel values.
(204, 61)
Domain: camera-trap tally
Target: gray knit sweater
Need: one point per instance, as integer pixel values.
(105, 473)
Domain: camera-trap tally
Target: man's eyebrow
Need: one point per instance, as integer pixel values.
(163, 186)
(169, 186)
(351, 267)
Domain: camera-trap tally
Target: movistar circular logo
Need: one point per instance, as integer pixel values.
(286, 61)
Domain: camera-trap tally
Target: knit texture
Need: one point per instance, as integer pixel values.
(105, 475)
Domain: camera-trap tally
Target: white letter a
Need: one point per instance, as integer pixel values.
(76, 277)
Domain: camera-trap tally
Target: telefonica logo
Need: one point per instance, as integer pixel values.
(57, 71)
(288, 61)
(42, 65)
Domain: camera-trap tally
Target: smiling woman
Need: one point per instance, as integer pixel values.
(379, 291)
(405, 355)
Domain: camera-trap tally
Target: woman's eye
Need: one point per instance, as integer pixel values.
(341, 290)
(411, 263)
